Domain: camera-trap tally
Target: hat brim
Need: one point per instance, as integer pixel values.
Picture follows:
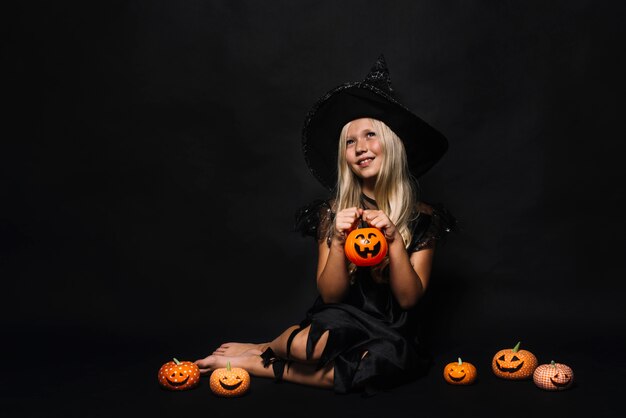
(424, 144)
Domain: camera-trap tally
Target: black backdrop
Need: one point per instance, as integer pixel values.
(151, 169)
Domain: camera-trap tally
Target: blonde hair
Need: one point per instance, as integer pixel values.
(395, 192)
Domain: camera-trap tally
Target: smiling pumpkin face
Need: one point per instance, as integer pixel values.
(514, 364)
(366, 246)
(553, 376)
(179, 375)
(459, 373)
(229, 381)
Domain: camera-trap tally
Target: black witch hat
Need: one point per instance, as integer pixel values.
(371, 98)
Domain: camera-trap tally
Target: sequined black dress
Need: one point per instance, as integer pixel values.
(369, 319)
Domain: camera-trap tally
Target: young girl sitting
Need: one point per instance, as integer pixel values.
(361, 332)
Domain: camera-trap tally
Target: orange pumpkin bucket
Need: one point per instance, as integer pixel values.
(366, 246)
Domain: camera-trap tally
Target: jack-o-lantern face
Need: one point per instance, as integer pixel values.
(366, 246)
(229, 381)
(553, 376)
(514, 364)
(459, 373)
(179, 375)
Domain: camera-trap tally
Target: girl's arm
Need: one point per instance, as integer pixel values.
(408, 276)
(333, 279)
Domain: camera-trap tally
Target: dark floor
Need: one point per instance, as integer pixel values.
(116, 376)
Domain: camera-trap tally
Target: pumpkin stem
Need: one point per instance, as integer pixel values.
(460, 361)
(553, 364)
(228, 365)
(516, 348)
(176, 361)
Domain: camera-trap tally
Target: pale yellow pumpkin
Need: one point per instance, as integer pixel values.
(229, 381)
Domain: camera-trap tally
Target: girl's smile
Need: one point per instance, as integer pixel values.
(365, 162)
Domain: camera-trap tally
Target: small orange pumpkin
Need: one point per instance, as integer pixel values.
(553, 376)
(460, 373)
(179, 375)
(514, 364)
(229, 381)
(366, 246)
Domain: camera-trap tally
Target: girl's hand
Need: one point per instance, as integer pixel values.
(380, 220)
(346, 220)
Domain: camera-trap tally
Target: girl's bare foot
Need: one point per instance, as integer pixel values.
(251, 362)
(237, 349)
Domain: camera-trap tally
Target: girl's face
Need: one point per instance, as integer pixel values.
(363, 149)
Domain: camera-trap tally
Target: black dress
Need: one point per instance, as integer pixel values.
(369, 319)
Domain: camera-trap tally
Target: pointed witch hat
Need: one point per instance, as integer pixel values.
(371, 98)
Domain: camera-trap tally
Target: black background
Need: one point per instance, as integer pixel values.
(151, 170)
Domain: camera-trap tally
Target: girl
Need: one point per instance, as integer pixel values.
(360, 334)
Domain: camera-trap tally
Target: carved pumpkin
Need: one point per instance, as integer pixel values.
(179, 375)
(514, 364)
(229, 381)
(553, 376)
(366, 246)
(460, 373)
